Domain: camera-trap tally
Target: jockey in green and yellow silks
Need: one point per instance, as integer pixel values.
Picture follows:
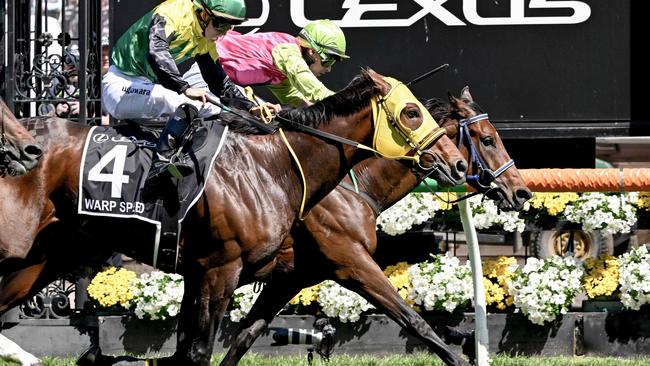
(144, 82)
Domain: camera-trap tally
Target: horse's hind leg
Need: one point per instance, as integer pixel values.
(365, 277)
(277, 292)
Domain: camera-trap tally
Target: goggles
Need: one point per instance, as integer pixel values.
(328, 59)
(221, 24)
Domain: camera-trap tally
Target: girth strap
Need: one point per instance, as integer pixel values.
(369, 200)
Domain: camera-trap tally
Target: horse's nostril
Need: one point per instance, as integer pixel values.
(461, 166)
(33, 150)
(524, 194)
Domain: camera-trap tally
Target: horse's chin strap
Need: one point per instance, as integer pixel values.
(475, 157)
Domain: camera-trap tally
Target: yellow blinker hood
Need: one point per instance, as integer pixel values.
(394, 140)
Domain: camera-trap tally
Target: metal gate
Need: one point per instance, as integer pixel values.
(52, 58)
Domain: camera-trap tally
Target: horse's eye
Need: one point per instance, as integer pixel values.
(413, 113)
(487, 141)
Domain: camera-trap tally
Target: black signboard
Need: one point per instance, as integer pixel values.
(543, 69)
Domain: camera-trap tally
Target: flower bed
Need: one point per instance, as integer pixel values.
(608, 212)
(542, 290)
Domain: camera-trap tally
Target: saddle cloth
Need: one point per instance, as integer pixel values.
(114, 167)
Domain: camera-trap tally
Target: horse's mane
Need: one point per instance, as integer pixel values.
(351, 99)
(240, 125)
(441, 109)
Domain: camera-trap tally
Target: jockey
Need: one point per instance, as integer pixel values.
(289, 66)
(144, 82)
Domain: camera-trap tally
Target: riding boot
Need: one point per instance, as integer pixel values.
(164, 164)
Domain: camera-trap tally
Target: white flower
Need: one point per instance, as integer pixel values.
(485, 215)
(157, 295)
(243, 299)
(634, 277)
(442, 284)
(339, 302)
(544, 289)
(611, 213)
(413, 209)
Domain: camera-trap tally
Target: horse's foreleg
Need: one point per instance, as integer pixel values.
(18, 286)
(198, 322)
(277, 292)
(366, 278)
(9, 349)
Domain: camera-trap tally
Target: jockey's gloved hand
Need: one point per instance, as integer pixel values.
(232, 96)
(196, 94)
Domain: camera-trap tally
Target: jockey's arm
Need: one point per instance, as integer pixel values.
(289, 60)
(160, 59)
(220, 84)
(286, 94)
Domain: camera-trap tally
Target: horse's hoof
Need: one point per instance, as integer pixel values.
(89, 356)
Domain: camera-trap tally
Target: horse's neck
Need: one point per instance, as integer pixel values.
(325, 163)
(385, 181)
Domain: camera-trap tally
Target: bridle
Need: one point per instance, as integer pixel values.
(484, 176)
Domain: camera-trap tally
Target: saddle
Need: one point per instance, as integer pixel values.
(114, 167)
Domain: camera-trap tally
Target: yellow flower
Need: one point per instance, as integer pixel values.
(601, 276)
(643, 201)
(445, 197)
(399, 277)
(496, 275)
(306, 296)
(112, 287)
(553, 203)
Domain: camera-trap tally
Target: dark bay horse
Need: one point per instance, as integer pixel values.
(337, 240)
(232, 234)
(19, 152)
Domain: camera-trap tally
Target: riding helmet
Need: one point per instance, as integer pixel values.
(324, 36)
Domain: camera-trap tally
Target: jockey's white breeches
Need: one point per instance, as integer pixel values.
(136, 97)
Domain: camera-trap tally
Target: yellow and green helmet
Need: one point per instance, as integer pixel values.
(324, 37)
(232, 10)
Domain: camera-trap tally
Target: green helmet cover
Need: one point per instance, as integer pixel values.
(229, 9)
(324, 35)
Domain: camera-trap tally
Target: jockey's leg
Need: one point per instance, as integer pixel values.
(129, 97)
(170, 143)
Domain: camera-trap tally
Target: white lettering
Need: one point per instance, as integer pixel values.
(581, 12)
(130, 207)
(356, 10)
(99, 205)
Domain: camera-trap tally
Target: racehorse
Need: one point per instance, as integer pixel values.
(232, 234)
(19, 152)
(337, 240)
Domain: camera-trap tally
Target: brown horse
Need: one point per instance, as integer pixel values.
(337, 240)
(232, 234)
(19, 152)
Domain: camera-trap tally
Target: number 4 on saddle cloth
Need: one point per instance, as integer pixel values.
(114, 168)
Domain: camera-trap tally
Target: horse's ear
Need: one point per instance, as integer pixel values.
(459, 106)
(465, 95)
(453, 100)
(380, 84)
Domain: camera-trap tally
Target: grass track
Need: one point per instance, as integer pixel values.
(420, 359)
